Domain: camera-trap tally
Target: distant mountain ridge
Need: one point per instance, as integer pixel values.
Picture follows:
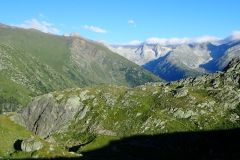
(174, 62)
(141, 54)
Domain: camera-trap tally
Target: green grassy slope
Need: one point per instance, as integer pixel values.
(149, 109)
(10, 132)
(37, 63)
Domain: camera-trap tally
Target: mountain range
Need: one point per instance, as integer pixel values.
(70, 97)
(174, 62)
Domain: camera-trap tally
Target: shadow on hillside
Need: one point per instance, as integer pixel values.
(216, 145)
(224, 144)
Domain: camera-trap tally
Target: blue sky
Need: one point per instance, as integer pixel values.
(122, 21)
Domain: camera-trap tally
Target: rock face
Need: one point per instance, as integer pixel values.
(45, 116)
(30, 145)
(76, 116)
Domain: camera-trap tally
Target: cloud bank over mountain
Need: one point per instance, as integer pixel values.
(41, 25)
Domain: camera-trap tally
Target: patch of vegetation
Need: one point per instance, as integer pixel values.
(9, 133)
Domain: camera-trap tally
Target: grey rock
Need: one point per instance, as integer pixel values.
(44, 116)
(180, 92)
(110, 99)
(216, 83)
(30, 145)
(234, 117)
(181, 114)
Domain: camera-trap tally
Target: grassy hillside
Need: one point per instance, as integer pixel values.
(83, 119)
(149, 109)
(10, 132)
(86, 119)
(37, 63)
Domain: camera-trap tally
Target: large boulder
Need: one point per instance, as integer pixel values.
(45, 116)
(180, 92)
(31, 144)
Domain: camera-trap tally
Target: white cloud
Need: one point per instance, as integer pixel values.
(167, 41)
(176, 41)
(131, 21)
(236, 35)
(39, 25)
(95, 29)
(205, 39)
(134, 42)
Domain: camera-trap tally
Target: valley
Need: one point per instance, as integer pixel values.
(64, 96)
(59, 117)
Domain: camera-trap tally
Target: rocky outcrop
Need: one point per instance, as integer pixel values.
(229, 76)
(180, 92)
(234, 65)
(44, 115)
(30, 145)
